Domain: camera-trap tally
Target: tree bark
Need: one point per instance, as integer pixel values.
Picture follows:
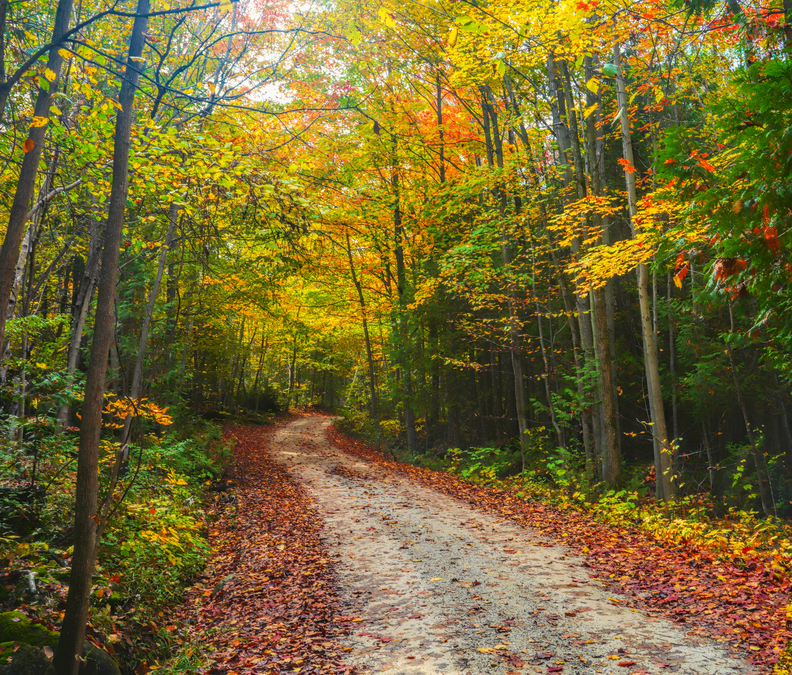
(367, 337)
(137, 373)
(72, 635)
(663, 462)
(26, 183)
(82, 307)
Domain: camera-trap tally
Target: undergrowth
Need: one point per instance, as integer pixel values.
(154, 544)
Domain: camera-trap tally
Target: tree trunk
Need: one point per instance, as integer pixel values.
(292, 366)
(72, 635)
(495, 155)
(663, 462)
(603, 342)
(759, 460)
(137, 373)
(369, 353)
(82, 307)
(9, 252)
(561, 129)
(401, 286)
(545, 361)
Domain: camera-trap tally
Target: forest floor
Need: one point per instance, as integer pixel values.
(330, 561)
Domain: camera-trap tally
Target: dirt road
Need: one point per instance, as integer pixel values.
(437, 587)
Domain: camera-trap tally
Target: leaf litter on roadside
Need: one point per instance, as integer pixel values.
(268, 602)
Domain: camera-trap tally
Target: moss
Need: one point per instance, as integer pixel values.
(6, 651)
(16, 627)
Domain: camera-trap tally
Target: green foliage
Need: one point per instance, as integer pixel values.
(485, 464)
(156, 544)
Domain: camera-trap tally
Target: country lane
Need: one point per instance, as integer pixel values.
(438, 587)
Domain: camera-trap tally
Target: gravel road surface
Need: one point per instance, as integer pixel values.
(440, 588)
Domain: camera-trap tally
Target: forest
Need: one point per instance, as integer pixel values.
(539, 245)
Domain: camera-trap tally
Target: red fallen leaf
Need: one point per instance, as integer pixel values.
(283, 541)
(625, 664)
(555, 669)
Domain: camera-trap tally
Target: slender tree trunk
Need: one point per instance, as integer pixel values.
(34, 216)
(85, 523)
(759, 460)
(603, 342)
(137, 373)
(663, 462)
(401, 285)
(34, 144)
(494, 144)
(563, 134)
(263, 351)
(82, 307)
(546, 363)
(672, 363)
(369, 352)
(292, 366)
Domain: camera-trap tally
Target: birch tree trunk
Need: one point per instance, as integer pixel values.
(663, 459)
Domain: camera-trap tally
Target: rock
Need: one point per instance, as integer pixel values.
(16, 627)
(220, 585)
(30, 660)
(99, 663)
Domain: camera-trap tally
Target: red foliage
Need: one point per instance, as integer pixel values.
(728, 267)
